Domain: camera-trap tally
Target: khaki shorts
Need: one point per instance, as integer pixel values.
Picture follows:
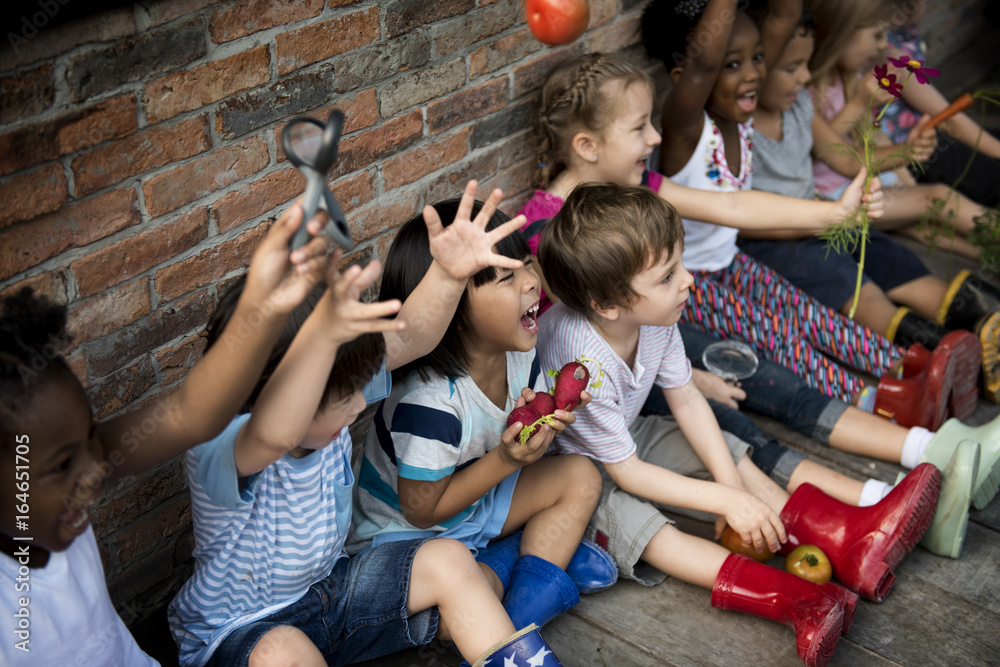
(624, 524)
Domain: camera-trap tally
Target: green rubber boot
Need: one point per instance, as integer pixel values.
(959, 468)
(988, 437)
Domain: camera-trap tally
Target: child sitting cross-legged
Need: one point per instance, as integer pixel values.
(440, 459)
(271, 496)
(613, 257)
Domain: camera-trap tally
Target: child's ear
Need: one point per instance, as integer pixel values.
(584, 144)
(675, 74)
(610, 313)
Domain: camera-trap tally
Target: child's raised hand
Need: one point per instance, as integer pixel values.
(855, 197)
(348, 316)
(756, 523)
(283, 279)
(717, 389)
(920, 141)
(465, 247)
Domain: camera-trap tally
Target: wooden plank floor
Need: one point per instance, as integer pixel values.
(941, 611)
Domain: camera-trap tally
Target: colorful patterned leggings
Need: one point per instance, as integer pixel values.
(748, 301)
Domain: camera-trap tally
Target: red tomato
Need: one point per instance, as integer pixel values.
(732, 541)
(555, 22)
(810, 563)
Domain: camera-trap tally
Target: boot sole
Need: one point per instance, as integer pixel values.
(824, 641)
(959, 378)
(884, 557)
(989, 335)
(988, 488)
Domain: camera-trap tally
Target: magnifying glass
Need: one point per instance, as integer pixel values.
(312, 147)
(731, 360)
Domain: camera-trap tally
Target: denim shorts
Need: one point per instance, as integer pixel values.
(828, 276)
(357, 613)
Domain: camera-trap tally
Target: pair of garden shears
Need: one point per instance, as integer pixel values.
(312, 147)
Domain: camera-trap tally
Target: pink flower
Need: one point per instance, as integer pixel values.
(887, 81)
(916, 67)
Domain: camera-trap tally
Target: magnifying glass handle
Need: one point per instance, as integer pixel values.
(338, 230)
(310, 204)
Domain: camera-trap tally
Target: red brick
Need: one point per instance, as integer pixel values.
(320, 41)
(177, 361)
(360, 111)
(31, 195)
(380, 217)
(531, 75)
(121, 389)
(132, 256)
(192, 89)
(353, 192)
(153, 527)
(615, 37)
(257, 198)
(109, 311)
(106, 26)
(477, 24)
(388, 138)
(77, 363)
(26, 93)
(136, 495)
(467, 104)
(67, 133)
(210, 265)
(452, 182)
(502, 52)
(158, 13)
(342, 3)
(75, 226)
(405, 15)
(206, 174)
(238, 19)
(517, 149)
(51, 285)
(417, 163)
(140, 152)
(421, 86)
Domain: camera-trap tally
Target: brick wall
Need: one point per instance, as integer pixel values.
(140, 164)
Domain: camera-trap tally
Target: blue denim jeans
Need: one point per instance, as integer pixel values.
(773, 391)
(357, 613)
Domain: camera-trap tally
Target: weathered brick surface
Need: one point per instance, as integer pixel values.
(451, 183)
(28, 196)
(206, 174)
(360, 111)
(117, 507)
(208, 266)
(378, 218)
(257, 198)
(51, 285)
(26, 93)
(31, 243)
(417, 163)
(165, 520)
(388, 138)
(175, 362)
(320, 41)
(615, 37)
(379, 62)
(157, 12)
(405, 15)
(109, 311)
(67, 133)
(238, 19)
(152, 53)
(420, 86)
(460, 32)
(192, 89)
(289, 96)
(531, 75)
(132, 256)
(122, 388)
(106, 354)
(501, 52)
(53, 40)
(139, 153)
(510, 120)
(467, 104)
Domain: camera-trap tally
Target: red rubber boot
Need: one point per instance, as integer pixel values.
(865, 544)
(819, 613)
(945, 385)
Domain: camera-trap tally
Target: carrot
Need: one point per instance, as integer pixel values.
(958, 106)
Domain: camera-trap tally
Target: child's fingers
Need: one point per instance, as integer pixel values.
(433, 221)
(528, 394)
(467, 201)
(506, 229)
(281, 233)
(585, 399)
(489, 207)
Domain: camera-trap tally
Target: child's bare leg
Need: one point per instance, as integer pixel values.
(874, 311)
(686, 557)
(957, 244)
(446, 575)
(760, 485)
(554, 500)
(923, 295)
(285, 646)
(860, 432)
(843, 488)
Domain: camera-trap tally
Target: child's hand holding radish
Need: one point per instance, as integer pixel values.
(532, 425)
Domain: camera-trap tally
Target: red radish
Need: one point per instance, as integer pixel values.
(571, 380)
(543, 404)
(527, 415)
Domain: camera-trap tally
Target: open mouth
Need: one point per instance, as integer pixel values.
(748, 101)
(77, 520)
(530, 319)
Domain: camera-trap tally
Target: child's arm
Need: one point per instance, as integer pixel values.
(460, 250)
(683, 109)
(289, 401)
(220, 382)
(778, 27)
(696, 421)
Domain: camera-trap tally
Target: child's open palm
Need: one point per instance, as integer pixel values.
(348, 316)
(465, 247)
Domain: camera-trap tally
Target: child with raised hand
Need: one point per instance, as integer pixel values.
(60, 457)
(850, 41)
(960, 135)
(440, 459)
(613, 257)
(271, 496)
(583, 95)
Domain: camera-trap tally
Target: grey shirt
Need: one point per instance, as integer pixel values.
(785, 167)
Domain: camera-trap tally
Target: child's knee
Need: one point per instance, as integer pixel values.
(285, 646)
(444, 559)
(582, 478)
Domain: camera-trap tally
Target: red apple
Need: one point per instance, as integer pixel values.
(555, 22)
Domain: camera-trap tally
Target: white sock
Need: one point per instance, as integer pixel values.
(914, 446)
(872, 492)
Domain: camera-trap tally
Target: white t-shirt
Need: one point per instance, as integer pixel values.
(70, 619)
